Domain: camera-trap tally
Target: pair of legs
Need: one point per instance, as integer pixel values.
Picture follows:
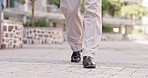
(83, 33)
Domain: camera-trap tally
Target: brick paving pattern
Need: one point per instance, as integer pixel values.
(122, 59)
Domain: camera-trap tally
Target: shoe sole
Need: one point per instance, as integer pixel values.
(90, 66)
(75, 61)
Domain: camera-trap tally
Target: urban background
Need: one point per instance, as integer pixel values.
(33, 41)
(41, 21)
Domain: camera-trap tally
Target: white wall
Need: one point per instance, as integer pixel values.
(26, 6)
(145, 3)
(44, 5)
(145, 18)
(18, 5)
(41, 5)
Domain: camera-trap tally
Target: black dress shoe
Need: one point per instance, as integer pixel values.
(76, 57)
(88, 62)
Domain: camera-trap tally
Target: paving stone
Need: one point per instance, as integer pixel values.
(53, 61)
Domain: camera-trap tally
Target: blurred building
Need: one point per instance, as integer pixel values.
(126, 25)
(118, 21)
(145, 18)
(52, 8)
(132, 1)
(16, 11)
(40, 5)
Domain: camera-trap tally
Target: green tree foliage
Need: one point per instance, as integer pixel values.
(118, 7)
(21, 1)
(134, 11)
(56, 2)
(111, 6)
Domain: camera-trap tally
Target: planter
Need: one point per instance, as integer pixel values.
(120, 37)
(137, 37)
(43, 35)
(12, 34)
(111, 37)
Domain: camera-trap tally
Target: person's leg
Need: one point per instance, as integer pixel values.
(71, 10)
(74, 27)
(92, 27)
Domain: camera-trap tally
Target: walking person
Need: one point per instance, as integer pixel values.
(83, 34)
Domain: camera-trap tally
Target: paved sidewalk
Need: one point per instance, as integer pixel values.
(115, 59)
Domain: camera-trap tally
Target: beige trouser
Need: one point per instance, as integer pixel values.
(83, 33)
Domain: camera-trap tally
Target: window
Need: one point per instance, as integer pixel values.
(9, 3)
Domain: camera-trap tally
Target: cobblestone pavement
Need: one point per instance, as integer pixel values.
(117, 59)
